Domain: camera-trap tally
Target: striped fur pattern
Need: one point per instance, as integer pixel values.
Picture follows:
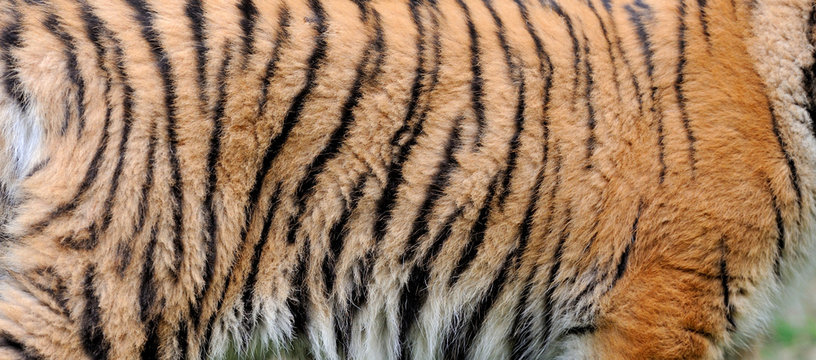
(402, 179)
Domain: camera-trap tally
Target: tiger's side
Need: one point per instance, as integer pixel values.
(484, 179)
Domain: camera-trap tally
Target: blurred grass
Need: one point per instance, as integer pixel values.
(793, 333)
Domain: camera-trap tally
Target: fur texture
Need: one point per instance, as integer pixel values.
(410, 179)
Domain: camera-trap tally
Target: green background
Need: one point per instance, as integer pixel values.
(793, 333)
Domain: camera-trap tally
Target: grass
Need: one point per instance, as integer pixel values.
(793, 334)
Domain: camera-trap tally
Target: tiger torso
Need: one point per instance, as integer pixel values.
(401, 179)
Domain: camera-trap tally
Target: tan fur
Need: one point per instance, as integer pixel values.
(622, 180)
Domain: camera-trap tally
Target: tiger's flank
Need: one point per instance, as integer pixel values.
(402, 179)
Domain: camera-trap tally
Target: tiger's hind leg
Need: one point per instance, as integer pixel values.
(661, 315)
(695, 288)
(665, 308)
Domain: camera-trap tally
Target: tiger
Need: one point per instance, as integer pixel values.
(402, 179)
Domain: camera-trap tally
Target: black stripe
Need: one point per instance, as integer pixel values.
(619, 46)
(9, 41)
(204, 344)
(66, 116)
(306, 186)
(7, 341)
(477, 234)
(549, 302)
(589, 288)
(298, 300)
(527, 223)
(794, 175)
(249, 15)
(780, 232)
(379, 48)
(435, 190)
(678, 85)
(81, 239)
(591, 121)
(144, 16)
(593, 231)
(195, 13)
(89, 178)
(127, 120)
(147, 285)
(281, 37)
(522, 336)
(624, 258)
(92, 335)
(636, 16)
(293, 113)
(698, 273)
(10, 342)
(387, 200)
(395, 175)
(182, 339)
(96, 30)
(727, 306)
(361, 4)
(440, 238)
(125, 246)
(412, 298)
(57, 291)
(341, 326)
(359, 295)
(257, 254)
(53, 25)
(150, 349)
(516, 76)
(703, 19)
(546, 69)
(45, 293)
(580, 330)
(6, 196)
(701, 332)
(576, 49)
(148, 184)
(40, 165)
(337, 235)
(93, 167)
(419, 73)
(211, 219)
(147, 297)
(608, 49)
(466, 335)
(415, 293)
(476, 83)
(93, 27)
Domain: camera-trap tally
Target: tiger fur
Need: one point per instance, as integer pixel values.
(402, 179)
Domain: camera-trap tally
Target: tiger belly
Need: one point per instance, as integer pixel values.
(417, 179)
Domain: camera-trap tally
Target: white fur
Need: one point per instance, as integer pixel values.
(23, 134)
